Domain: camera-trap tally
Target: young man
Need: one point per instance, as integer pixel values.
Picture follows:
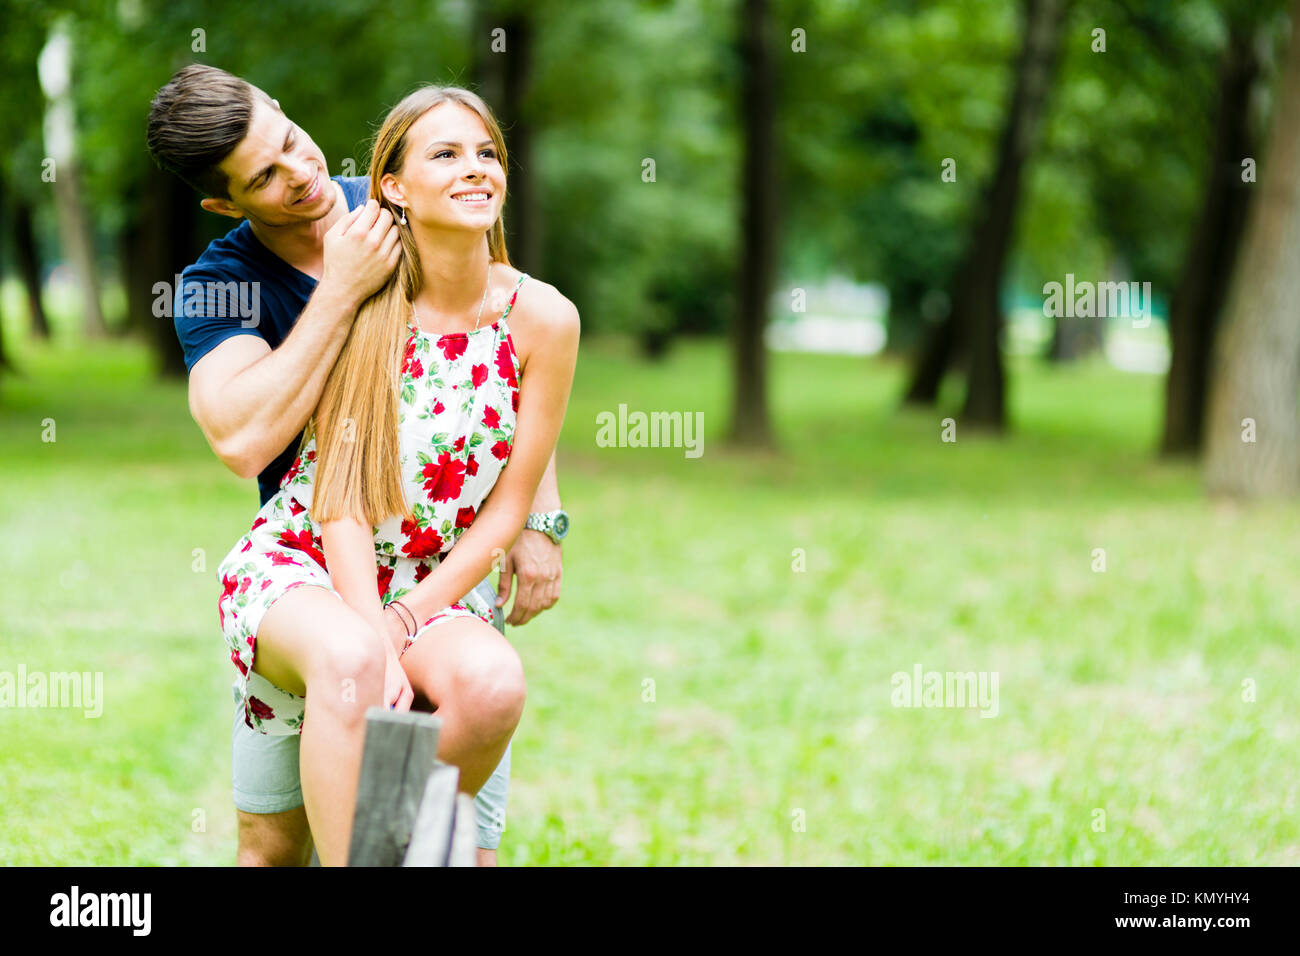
(262, 316)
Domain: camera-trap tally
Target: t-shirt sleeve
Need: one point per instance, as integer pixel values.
(211, 307)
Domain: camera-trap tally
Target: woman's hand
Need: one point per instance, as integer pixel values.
(397, 687)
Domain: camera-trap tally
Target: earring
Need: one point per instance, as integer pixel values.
(403, 219)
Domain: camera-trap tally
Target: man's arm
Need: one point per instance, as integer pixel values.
(251, 400)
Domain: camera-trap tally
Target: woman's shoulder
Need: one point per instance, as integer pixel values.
(541, 305)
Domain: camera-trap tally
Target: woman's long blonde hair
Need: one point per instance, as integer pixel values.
(355, 424)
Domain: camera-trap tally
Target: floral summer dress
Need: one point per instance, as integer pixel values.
(456, 421)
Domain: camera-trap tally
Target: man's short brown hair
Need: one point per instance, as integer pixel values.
(197, 120)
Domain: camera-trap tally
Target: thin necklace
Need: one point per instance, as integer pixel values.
(487, 283)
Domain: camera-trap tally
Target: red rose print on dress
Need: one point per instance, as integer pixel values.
(453, 346)
(295, 508)
(445, 477)
(505, 364)
(438, 408)
(422, 571)
(460, 444)
(464, 517)
(279, 557)
(234, 656)
(514, 399)
(421, 542)
(305, 542)
(491, 417)
(478, 375)
(471, 466)
(416, 369)
(501, 450)
(385, 577)
(260, 710)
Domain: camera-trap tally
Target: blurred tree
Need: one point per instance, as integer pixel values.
(976, 312)
(1212, 249)
(503, 65)
(1253, 425)
(76, 225)
(28, 261)
(750, 422)
(21, 165)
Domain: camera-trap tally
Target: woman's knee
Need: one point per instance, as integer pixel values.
(489, 687)
(349, 655)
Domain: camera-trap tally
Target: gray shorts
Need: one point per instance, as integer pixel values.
(264, 767)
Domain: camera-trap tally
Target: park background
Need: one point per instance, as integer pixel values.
(838, 255)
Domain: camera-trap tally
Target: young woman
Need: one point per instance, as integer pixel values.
(343, 594)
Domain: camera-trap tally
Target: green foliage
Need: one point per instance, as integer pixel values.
(867, 116)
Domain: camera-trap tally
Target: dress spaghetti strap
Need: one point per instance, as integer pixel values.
(515, 295)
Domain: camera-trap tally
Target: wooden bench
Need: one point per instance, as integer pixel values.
(409, 811)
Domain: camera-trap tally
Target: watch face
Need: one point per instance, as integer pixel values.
(561, 525)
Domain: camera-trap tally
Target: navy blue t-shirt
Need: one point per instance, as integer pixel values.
(240, 287)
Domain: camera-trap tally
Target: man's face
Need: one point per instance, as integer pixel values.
(277, 175)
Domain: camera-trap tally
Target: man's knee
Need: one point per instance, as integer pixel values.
(274, 839)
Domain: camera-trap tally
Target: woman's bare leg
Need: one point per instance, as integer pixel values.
(311, 643)
(474, 680)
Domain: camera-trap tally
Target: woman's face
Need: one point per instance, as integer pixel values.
(452, 177)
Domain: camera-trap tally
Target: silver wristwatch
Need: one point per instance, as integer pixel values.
(553, 524)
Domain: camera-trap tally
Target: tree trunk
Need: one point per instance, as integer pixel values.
(505, 79)
(78, 241)
(932, 361)
(156, 246)
(1073, 338)
(750, 421)
(29, 267)
(1253, 427)
(974, 325)
(1208, 266)
(4, 360)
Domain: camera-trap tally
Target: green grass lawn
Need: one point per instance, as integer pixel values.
(771, 737)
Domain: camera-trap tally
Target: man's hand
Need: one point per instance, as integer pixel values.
(361, 251)
(535, 561)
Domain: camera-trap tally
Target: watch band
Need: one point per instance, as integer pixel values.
(553, 524)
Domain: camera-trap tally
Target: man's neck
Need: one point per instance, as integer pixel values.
(302, 245)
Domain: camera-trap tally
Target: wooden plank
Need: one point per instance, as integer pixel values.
(431, 835)
(464, 840)
(400, 752)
